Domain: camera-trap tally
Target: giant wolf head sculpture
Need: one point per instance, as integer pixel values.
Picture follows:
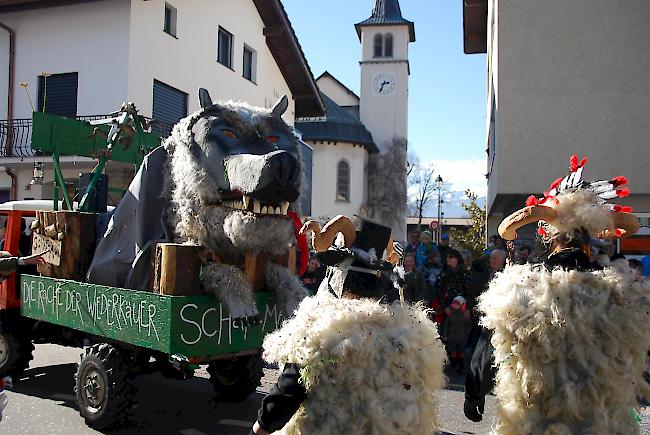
(235, 173)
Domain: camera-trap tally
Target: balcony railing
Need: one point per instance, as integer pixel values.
(18, 134)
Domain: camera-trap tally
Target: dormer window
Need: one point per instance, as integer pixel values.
(383, 45)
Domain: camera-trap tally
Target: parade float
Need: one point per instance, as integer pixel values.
(194, 267)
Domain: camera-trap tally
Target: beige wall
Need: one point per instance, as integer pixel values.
(336, 92)
(190, 60)
(325, 161)
(385, 116)
(570, 77)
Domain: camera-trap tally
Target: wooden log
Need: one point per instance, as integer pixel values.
(177, 269)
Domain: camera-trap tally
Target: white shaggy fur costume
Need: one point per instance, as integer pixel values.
(368, 368)
(570, 348)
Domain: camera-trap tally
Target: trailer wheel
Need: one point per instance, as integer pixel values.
(15, 352)
(237, 378)
(103, 386)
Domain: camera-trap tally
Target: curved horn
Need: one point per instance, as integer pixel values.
(626, 225)
(323, 239)
(391, 255)
(533, 213)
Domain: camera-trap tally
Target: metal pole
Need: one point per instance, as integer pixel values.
(439, 223)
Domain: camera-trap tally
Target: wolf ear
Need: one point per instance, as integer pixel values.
(204, 98)
(280, 107)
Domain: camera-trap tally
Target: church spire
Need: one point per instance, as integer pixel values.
(387, 12)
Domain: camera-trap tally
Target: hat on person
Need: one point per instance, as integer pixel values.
(577, 209)
(363, 263)
(444, 237)
(460, 300)
(427, 233)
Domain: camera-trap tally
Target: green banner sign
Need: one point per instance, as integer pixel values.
(185, 325)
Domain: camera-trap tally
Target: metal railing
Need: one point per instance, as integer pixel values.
(18, 134)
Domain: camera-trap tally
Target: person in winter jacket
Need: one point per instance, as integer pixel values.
(455, 332)
(453, 281)
(425, 250)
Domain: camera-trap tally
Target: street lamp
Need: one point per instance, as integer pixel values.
(439, 182)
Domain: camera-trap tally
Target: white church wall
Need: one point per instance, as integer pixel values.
(325, 160)
(336, 92)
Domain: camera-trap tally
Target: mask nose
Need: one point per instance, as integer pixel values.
(285, 168)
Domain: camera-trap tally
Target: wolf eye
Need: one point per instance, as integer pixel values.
(229, 133)
(273, 139)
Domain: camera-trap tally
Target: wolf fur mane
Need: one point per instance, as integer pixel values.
(198, 176)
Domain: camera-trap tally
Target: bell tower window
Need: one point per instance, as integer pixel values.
(388, 45)
(378, 46)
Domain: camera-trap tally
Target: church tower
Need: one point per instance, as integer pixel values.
(385, 37)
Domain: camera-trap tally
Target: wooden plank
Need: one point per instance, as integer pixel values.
(193, 326)
(51, 247)
(78, 231)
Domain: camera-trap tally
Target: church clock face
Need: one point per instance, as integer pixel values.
(384, 84)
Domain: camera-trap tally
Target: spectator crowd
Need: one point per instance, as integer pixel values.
(448, 281)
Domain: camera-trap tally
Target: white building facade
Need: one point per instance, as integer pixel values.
(155, 53)
(563, 78)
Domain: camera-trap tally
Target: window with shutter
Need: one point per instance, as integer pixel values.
(57, 94)
(169, 107)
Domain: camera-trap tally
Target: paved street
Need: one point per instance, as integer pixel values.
(43, 403)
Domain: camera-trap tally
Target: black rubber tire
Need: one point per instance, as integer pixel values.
(105, 371)
(16, 349)
(235, 379)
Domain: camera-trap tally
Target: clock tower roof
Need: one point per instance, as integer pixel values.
(387, 12)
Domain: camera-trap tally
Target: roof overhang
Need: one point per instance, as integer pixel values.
(285, 48)
(475, 13)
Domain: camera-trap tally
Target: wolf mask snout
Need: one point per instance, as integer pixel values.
(272, 177)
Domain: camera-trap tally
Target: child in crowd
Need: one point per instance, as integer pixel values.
(455, 332)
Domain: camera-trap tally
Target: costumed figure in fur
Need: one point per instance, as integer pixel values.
(229, 179)
(569, 336)
(353, 362)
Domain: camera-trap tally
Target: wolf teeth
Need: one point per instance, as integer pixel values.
(277, 210)
(256, 206)
(270, 210)
(284, 207)
(264, 210)
(247, 201)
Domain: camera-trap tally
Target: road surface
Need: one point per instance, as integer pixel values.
(43, 403)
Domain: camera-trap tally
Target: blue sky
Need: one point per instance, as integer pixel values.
(447, 87)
